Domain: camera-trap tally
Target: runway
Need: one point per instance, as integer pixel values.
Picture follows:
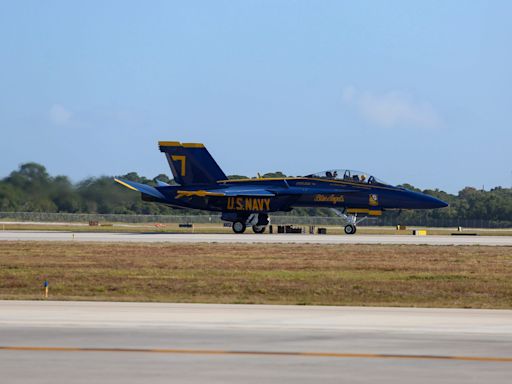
(82, 342)
(252, 238)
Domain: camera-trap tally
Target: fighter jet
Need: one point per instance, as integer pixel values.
(247, 202)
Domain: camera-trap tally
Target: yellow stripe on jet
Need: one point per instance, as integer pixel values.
(331, 181)
(193, 145)
(200, 193)
(371, 212)
(169, 143)
(126, 185)
(178, 144)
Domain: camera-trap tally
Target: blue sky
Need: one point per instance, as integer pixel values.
(410, 91)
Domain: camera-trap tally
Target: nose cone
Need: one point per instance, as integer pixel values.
(433, 202)
(423, 201)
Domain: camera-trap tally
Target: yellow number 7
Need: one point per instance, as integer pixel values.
(183, 160)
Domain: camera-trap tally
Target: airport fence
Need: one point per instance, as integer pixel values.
(277, 219)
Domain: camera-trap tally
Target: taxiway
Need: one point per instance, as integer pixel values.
(251, 238)
(82, 342)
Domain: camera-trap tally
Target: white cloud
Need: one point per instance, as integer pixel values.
(60, 115)
(391, 109)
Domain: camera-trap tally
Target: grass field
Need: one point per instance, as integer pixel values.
(376, 275)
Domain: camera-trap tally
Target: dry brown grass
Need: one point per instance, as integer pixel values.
(373, 275)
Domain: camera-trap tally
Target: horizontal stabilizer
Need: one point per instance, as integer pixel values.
(143, 188)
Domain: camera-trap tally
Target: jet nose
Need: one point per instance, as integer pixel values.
(440, 203)
(418, 200)
(433, 202)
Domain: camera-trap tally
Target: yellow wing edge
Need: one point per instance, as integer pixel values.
(126, 185)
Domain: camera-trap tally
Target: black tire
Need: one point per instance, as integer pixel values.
(350, 229)
(259, 228)
(238, 226)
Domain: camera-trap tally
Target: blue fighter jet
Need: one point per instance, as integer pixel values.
(248, 202)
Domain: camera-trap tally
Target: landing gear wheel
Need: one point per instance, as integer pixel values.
(238, 227)
(259, 228)
(350, 229)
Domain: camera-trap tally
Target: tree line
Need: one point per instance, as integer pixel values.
(31, 189)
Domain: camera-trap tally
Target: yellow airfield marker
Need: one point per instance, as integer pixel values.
(46, 286)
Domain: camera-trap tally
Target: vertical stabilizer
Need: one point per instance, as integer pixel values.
(191, 163)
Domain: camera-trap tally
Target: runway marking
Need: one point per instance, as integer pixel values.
(260, 353)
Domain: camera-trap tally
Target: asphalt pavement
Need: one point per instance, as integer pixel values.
(83, 342)
(251, 238)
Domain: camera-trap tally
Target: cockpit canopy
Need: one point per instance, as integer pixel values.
(348, 175)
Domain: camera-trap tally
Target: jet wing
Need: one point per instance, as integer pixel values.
(229, 192)
(143, 188)
(248, 191)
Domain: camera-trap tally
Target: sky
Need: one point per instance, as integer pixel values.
(415, 92)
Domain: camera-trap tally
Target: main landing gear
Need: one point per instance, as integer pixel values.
(258, 222)
(239, 227)
(259, 228)
(351, 220)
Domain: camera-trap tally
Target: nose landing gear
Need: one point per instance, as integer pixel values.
(351, 220)
(350, 229)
